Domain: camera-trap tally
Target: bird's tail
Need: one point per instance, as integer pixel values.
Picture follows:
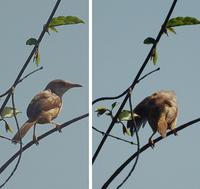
(22, 131)
(135, 125)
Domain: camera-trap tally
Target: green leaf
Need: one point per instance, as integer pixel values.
(65, 20)
(7, 127)
(113, 105)
(36, 57)
(101, 110)
(125, 115)
(8, 112)
(53, 29)
(171, 30)
(181, 21)
(31, 41)
(149, 40)
(155, 56)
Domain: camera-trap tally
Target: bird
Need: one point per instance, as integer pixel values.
(160, 110)
(45, 107)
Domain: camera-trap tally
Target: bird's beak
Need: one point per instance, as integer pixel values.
(76, 85)
(72, 85)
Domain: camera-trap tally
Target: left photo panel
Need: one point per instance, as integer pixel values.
(44, 94)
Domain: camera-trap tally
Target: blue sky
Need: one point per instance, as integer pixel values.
(61, 160)
(119, 28)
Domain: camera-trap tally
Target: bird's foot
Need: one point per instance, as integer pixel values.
(14, 141)
(174, 132)
(151, 143)
(58, 127)
(35, 140)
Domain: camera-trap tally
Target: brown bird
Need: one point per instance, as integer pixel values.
(44, 107)
(160, 110)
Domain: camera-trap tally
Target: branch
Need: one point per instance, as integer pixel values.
(148, 74)
(6, 138)
(138, 141)
(162, 30)
(145, 147)
(31, 143)
(110, 98)
(31, 55)
(20, 147)
(112, 136)
(125, 92)
(10, 89)
(38, 69)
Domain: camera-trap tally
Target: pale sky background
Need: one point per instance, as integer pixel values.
(119, 30)
(60, 160)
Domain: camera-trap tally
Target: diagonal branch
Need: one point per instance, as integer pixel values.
(145, 147)
(162, 30)
(31, 143)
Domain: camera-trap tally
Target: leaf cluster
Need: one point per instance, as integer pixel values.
(8, 112)
(125, 115)
(55, 22)
(173, 22)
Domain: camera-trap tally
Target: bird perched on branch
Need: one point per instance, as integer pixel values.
(44, 107)
(160, 110)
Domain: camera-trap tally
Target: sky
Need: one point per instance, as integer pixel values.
(119, 28)
(60, 160)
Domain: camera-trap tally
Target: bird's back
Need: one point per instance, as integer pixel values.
(45, 101)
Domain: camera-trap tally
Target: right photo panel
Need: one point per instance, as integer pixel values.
(145, 94)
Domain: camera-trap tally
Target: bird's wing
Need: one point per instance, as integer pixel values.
(142, 110)
(135, 125)
(43, 101)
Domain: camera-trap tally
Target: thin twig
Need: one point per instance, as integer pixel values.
(145, 147)
(110, 98)
(20, 146)
(138, 144)
(10, 90)
(112, 136)
(4, 94)
(162, 30)
(6, 138)
(36, 70)
(123, 93)
(148, 74)
(31, 143)
(31, 55)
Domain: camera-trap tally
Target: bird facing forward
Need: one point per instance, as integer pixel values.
(44, 107)
(160, 110)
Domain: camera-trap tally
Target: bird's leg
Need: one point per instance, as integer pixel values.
(173, 127)
(151, 142)
(57, 126)
(34, 136)
(174, 132)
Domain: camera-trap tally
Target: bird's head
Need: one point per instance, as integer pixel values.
(59, 86)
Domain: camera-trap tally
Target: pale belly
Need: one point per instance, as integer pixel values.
(48, 116)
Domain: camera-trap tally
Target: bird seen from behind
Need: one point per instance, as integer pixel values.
(160, 110)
